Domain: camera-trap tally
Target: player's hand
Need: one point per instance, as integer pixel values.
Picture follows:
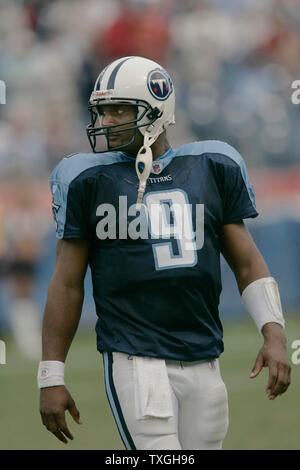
(273, 355)
(54, 401)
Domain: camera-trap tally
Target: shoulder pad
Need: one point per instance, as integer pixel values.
(210, 146)
(70, 167)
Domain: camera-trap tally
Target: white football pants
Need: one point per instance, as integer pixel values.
(199, 399)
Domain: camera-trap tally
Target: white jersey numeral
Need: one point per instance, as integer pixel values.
(170, 216)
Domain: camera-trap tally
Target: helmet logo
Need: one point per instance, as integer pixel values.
(159, 84)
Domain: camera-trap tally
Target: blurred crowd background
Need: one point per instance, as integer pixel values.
(233, 63)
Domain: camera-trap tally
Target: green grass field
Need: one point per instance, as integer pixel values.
(255, 422)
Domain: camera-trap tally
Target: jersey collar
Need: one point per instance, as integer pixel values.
(159, 164)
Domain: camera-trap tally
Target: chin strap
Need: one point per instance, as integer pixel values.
(145, 157)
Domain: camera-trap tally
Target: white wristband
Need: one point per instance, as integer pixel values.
(262, 301)
(50, 374)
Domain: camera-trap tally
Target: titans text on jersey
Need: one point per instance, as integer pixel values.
(155, 295)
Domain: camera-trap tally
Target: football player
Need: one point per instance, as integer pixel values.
(151, 222)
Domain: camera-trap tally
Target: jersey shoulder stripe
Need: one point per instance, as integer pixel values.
(66, 171)
(71, 167)
(220, 148)
(210, 146)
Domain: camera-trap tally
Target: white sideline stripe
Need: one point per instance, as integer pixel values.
(112, 403)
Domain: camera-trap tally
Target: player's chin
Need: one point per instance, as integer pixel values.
(116, 140)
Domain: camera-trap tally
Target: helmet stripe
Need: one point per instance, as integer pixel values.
(98, 85)
(112, 78)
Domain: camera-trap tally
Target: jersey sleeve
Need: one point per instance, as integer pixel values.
(68, 207)
(238, 195)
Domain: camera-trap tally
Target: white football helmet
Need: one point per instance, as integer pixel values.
(140, 82)
(135, 81)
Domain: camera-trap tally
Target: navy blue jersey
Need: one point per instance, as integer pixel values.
(155, 272)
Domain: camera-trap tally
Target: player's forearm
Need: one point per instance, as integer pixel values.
(254, 267)
(61, 317)
(242, 255)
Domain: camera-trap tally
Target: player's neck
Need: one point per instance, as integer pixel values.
(160, 146)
